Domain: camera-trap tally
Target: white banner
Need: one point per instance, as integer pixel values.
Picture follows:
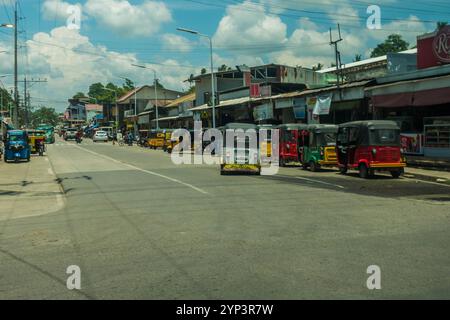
(323, 105)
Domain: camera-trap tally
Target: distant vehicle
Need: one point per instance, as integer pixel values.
(109, 131)
(100, 136)
(16, 146)
(49, 132)
(36, 140)
(70, 134)
(370, 146)
(317, 146)
(243, 157)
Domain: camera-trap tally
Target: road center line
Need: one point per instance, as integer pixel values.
(143, 170)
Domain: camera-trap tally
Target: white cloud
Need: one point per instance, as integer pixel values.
(175, 42)
(248, 24)
(408, 28)
(71, 63)
(126, 19)
(56, 9)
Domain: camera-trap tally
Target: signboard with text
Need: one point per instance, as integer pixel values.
(433, 49)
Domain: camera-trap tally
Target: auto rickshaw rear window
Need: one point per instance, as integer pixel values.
(384, 137)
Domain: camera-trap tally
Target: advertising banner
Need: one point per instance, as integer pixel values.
(263, 112)
(412, 143)
(300, 108)
(323, 105)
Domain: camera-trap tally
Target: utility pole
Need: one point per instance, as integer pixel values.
(337, 54)
(16, 92)
(26, 96)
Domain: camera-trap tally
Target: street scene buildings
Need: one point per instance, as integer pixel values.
(96, 203)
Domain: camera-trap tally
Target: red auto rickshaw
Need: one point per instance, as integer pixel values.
(370, 146)
(289, 142)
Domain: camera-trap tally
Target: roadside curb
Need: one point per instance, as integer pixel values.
(427, 178)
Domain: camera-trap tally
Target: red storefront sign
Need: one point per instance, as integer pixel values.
(434, 49)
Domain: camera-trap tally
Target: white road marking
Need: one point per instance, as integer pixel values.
(145, 171)
(321, 182)
(428, 182)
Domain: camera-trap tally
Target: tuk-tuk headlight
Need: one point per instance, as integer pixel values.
(374, 152)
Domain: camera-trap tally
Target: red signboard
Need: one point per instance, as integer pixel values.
(434, 49)
(441, 45)
(255, 90)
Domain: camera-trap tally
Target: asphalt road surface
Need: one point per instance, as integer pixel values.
(140, 227)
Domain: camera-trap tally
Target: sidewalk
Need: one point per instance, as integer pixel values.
(428, 175)
(28, 189)
(429, 163)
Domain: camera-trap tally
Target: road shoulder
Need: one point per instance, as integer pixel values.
(29, 189)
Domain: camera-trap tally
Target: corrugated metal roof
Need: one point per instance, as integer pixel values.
(364, 62)
(167, 118)
(185, 98)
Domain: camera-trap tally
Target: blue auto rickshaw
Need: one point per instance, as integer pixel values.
(16, 146)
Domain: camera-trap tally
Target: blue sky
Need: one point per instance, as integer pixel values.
(116, 33)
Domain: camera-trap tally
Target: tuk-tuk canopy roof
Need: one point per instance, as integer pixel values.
(293, 126)
(245, 126)
(324, 127)
(372, 124)
(16, 132)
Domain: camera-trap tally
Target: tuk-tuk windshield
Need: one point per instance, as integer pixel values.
(326, 139)
(15, 137)
(384, 137)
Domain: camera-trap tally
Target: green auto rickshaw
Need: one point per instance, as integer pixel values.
(317, 146)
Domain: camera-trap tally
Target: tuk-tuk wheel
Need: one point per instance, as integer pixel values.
(282, 162)
(396, 174)
(313, 166)
(343, 170)
(363, 171)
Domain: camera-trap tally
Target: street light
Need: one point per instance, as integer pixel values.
(212, 70)
(156, 91)
(16, 93)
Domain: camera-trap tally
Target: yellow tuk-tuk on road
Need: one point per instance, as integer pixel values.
(156, 139)
(36, 140)
(170, 142)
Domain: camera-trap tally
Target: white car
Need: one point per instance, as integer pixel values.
(100, 136)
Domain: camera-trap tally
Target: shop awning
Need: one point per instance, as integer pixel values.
(415, 93)
(167, 118)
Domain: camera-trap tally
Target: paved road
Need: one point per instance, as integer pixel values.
(140, 227)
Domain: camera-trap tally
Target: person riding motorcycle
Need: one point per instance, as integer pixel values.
(78, 137)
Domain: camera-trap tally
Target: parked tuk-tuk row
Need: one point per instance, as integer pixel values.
(19, 145)
(366, 146)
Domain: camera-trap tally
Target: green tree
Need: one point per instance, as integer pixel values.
(441, 24)
(393, 43)
(128, 85)
(191, 90)
(204, 71)
(79, 95)
(224, 67)
(5, 99)
(44, 115)
(318, 67)
(357, 58)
